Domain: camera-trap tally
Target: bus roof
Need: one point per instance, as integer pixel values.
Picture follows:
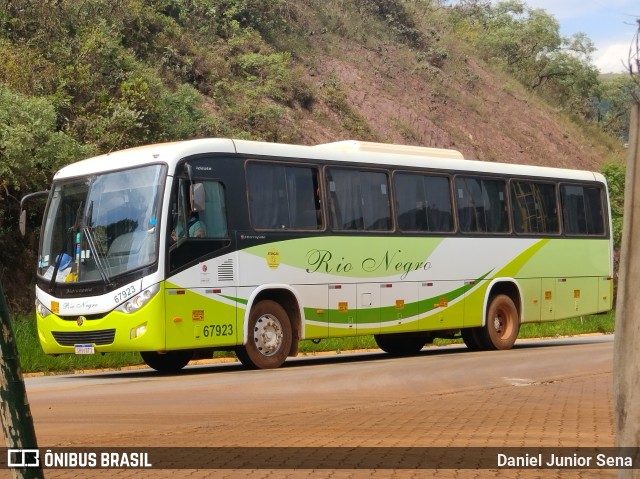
(367, 146)
(342, 152)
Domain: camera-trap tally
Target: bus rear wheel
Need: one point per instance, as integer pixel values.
(269, 337)
(471, 338)
(400, 344)
(169, 362)
(502, 325)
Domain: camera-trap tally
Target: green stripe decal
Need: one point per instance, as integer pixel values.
(387, 313)
(513, 268)
(237, 300)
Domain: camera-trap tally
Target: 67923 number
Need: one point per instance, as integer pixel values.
(217, 330)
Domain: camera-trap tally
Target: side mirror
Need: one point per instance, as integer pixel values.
(22, 224)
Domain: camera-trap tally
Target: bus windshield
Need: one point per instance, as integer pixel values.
(101, 226)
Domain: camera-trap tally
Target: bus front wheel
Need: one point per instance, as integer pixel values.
(269, 337)
(503, 323)
(169, 362)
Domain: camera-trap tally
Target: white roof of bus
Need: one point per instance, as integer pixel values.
(346, 152)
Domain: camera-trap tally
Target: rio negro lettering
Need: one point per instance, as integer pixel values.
(324, 261)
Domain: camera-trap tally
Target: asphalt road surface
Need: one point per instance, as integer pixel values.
(553, 393)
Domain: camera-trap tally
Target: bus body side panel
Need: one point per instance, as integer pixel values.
(531, 299)
(202, 306)
(418, 281)
(575, 279)
(395, 284)
(401, 306)
(200, 317)
(605, 293)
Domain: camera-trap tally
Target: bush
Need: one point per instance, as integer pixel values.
(615, 175)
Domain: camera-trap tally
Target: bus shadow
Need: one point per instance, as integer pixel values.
(322, 359)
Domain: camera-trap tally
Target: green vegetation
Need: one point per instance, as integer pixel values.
(527, 44)
(614, 173)
(32, 358)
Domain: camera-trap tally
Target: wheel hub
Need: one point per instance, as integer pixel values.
(268, 334)
(498, 323)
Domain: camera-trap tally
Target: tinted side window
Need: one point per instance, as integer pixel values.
(535, 209)
(423, 203)
(206, 220)
(582, 210)
(481, 205)
(358, 200)
(283, 197)
(198, 221)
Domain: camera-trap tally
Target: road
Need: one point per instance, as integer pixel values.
(554, 393)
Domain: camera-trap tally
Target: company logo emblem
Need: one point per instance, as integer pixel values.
(80, 320)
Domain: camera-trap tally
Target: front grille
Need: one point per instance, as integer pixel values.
(89, 317)
(105, 336)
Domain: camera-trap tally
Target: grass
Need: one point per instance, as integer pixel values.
(33, 359)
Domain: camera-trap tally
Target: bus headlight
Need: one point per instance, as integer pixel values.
(41, 309)
(139, 300)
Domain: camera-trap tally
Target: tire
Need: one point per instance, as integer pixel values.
(400, 344)
(471, 339)
(269, 337)
(169, 362)
(502, 325)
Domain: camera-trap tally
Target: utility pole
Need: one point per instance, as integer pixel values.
(626, 359)
(15, 414)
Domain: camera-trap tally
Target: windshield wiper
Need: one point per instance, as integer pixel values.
(86, 229)
(102, 269)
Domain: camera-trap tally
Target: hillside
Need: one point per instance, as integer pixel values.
(90, 77)
(463, 103)
(483, 114)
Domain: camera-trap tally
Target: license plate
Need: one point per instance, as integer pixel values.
(85, 349)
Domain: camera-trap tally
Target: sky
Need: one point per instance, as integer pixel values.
(610, 24)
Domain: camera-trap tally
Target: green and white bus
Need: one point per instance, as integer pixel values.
(177, 250)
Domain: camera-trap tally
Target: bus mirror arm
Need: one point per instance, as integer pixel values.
(23, 212)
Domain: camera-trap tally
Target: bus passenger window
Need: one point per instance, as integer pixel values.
(283, 197)
(481, 205)
(423, 203)
(582, 210)
(535, 208)
(359, 200)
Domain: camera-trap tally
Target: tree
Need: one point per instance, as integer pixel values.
(529, 45)
(615, 96)
(31, 149)
(31, 146)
